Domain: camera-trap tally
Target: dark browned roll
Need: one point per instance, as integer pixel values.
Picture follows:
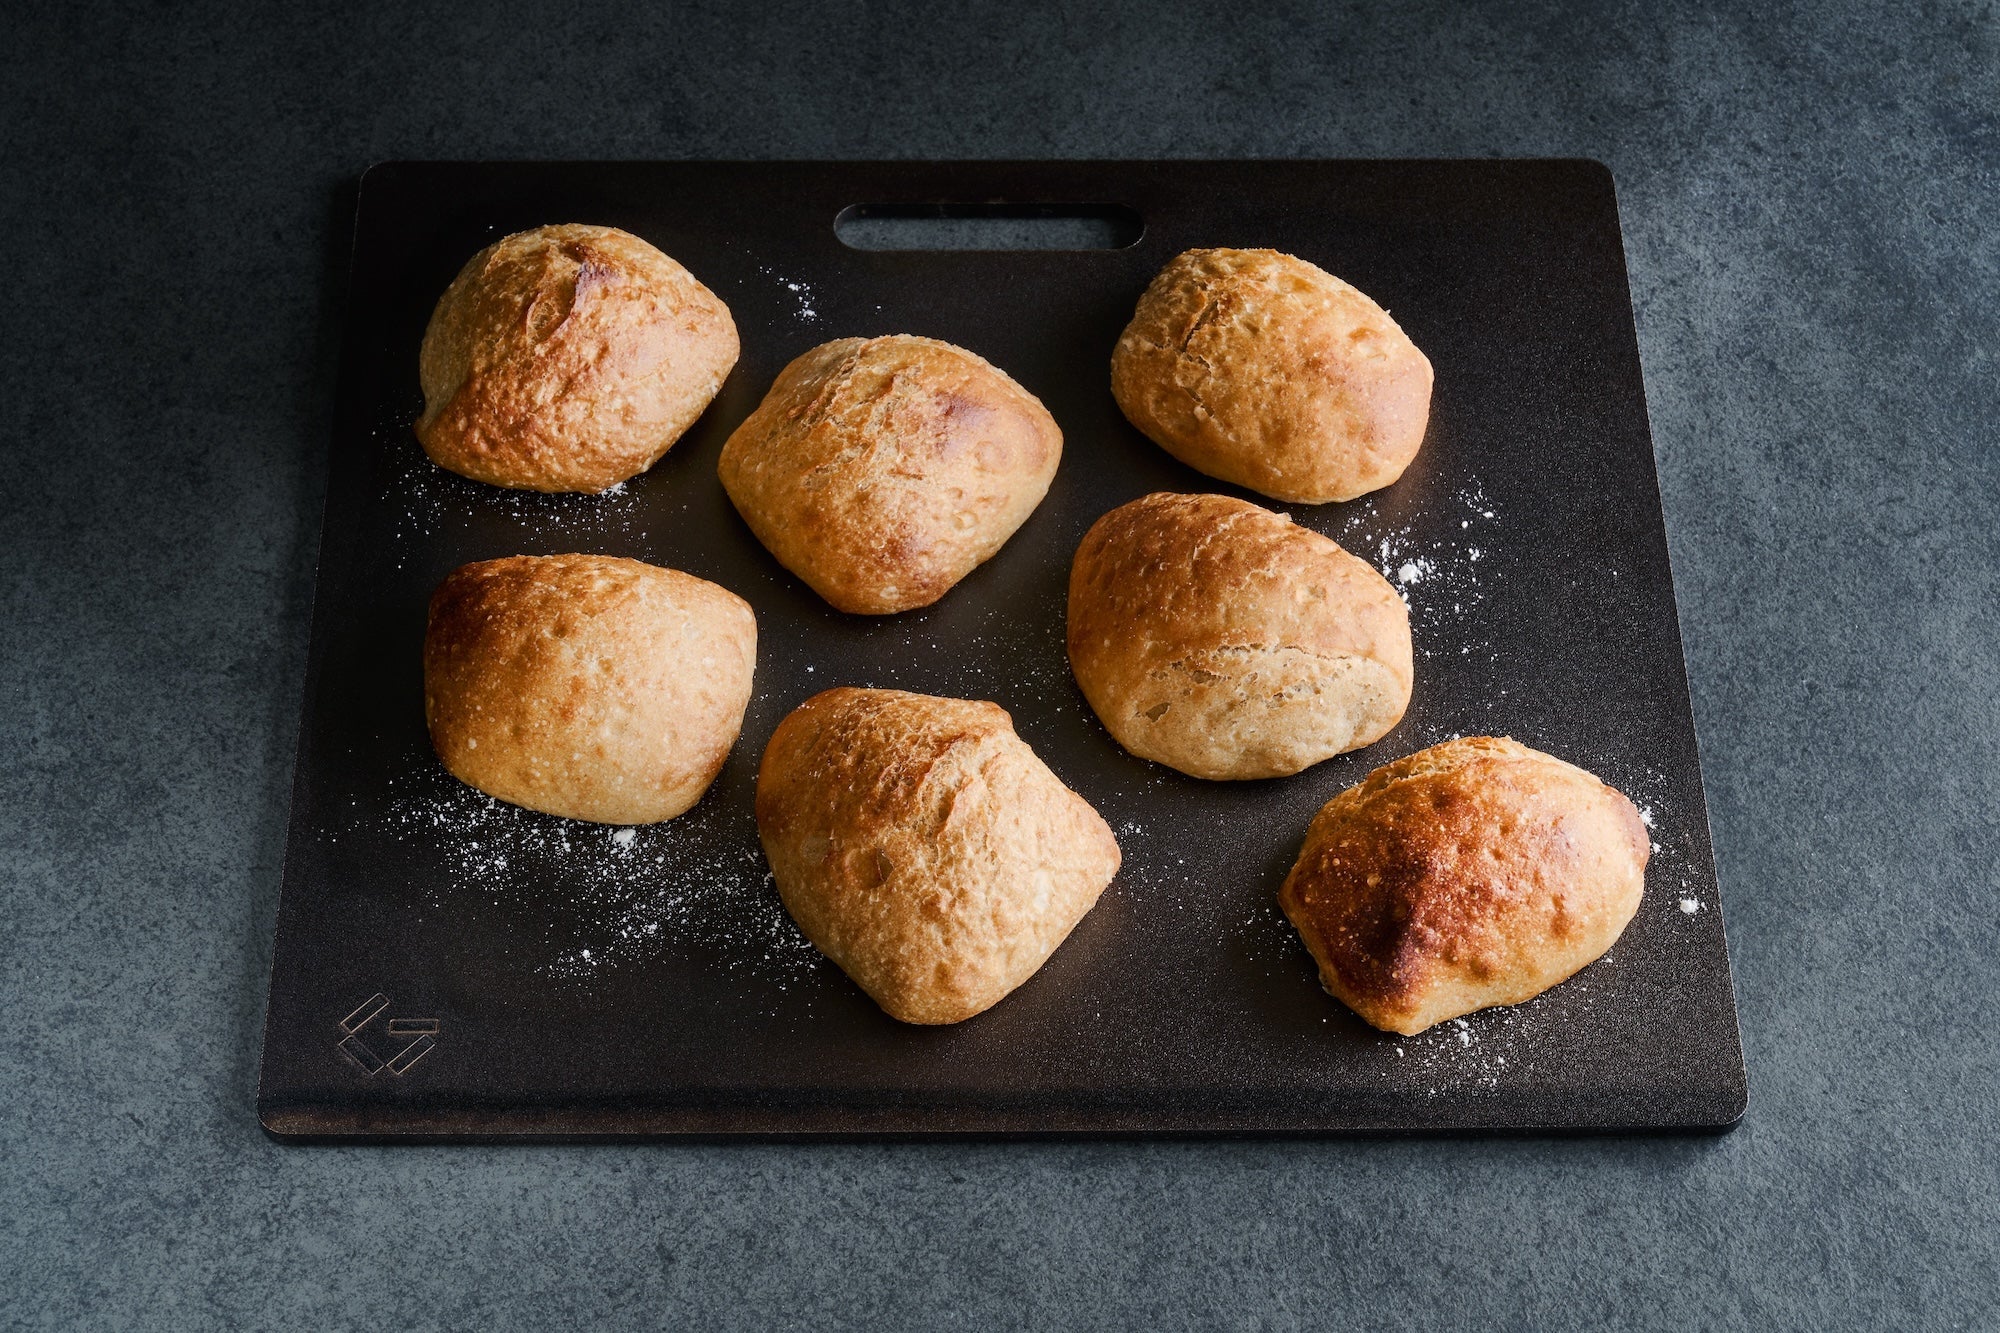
(1476, 873)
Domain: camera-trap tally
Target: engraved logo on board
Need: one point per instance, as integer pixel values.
(409, 1039)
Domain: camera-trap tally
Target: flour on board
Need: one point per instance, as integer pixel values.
(596, 896)
(426, 500)
(800, 291)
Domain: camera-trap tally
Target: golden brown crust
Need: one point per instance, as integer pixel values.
(586, 685)
(921, 845)
(1228, 642)
(1269, 372)
(569, 358)
(1475, 873)
(884, 470)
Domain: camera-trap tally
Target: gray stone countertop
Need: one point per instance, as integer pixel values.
(1813, 230)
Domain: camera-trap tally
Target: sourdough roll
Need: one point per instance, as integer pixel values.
(883, 470)
(921, 845)
(1267, 371)
(1474, 873)
(586, 685)
(568, 359)
(1226, 641)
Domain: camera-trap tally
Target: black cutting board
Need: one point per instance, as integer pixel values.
(449, 966)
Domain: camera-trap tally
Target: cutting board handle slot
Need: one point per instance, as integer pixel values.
(994, 225)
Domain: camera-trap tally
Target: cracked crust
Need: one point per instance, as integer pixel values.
(1226, 641)
(586, 686)
(922, 846)
(569, 358)
(1475, 873)
(1266, 371)
(883, 470)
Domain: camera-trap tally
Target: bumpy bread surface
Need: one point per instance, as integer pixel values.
(586, 685)
(922, 846)
(569, 358)
(1475, 873)
(1269, 372)
(883, 470)
(1226, 641)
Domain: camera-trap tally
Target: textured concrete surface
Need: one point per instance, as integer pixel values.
(1810, 203)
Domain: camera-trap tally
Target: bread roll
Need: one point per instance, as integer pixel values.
(1474, 873)
(921, 845)
(1271, 373)
(568, 359)
(586, 685)
(1228, 642)
(884, 470)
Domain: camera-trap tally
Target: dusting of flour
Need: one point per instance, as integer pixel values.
(425, 499)
(1441, 579)
(799, 290)
(604, 896)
